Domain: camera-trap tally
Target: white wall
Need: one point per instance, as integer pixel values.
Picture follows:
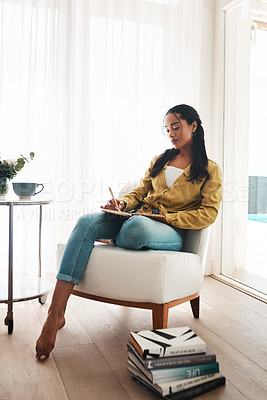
(215, 253)
(206, 108)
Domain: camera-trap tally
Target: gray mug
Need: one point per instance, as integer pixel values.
(26, 189)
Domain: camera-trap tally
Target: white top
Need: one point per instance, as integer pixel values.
(171, 174)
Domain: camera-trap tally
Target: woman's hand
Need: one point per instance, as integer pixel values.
(114, 205)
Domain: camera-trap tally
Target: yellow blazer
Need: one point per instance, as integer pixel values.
(185, 205)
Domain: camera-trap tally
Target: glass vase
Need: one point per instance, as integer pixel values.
(3, 187)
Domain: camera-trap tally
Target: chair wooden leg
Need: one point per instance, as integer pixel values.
(160, 316)
(195, 306)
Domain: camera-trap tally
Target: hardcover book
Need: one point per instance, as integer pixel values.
(170, 387)
(197, 390)
(172, 374)
(167, 342)
(172, 361)
(126, 214)
(117, 212)
(190, 392)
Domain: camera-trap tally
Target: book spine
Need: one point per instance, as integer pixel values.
(185, 350)
(197, 390)
(171, 374)
(172, 362)
(167, 388)
(180, 350)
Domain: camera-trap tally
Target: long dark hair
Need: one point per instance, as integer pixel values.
(199, 156)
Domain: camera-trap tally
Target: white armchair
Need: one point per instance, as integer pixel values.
(151, 279)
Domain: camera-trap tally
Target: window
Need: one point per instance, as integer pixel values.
(245, 170)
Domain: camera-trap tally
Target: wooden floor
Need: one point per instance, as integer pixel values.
(89, 361)
(252, 280)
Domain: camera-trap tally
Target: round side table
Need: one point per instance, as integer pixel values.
(26, 288)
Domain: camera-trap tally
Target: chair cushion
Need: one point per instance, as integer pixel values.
(155, 276)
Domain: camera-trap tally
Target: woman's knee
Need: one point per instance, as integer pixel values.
(142, 232)
(134, 233)
(136, 224)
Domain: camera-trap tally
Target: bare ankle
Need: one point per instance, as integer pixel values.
(55, 314)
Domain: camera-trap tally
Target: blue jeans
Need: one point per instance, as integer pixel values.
(136, 233)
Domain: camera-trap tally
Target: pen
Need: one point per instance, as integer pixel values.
(114, 199)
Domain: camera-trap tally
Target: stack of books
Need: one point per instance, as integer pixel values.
(174, 363)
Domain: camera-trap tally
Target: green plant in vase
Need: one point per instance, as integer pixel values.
(9, 169)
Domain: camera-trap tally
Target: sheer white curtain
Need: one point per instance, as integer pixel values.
(85, 85)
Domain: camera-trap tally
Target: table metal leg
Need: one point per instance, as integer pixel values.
(9, 317)
(41, 299)
(40, 239)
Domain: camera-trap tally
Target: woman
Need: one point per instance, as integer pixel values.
(182, 189)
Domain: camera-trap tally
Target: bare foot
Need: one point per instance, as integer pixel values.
(47, 339)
